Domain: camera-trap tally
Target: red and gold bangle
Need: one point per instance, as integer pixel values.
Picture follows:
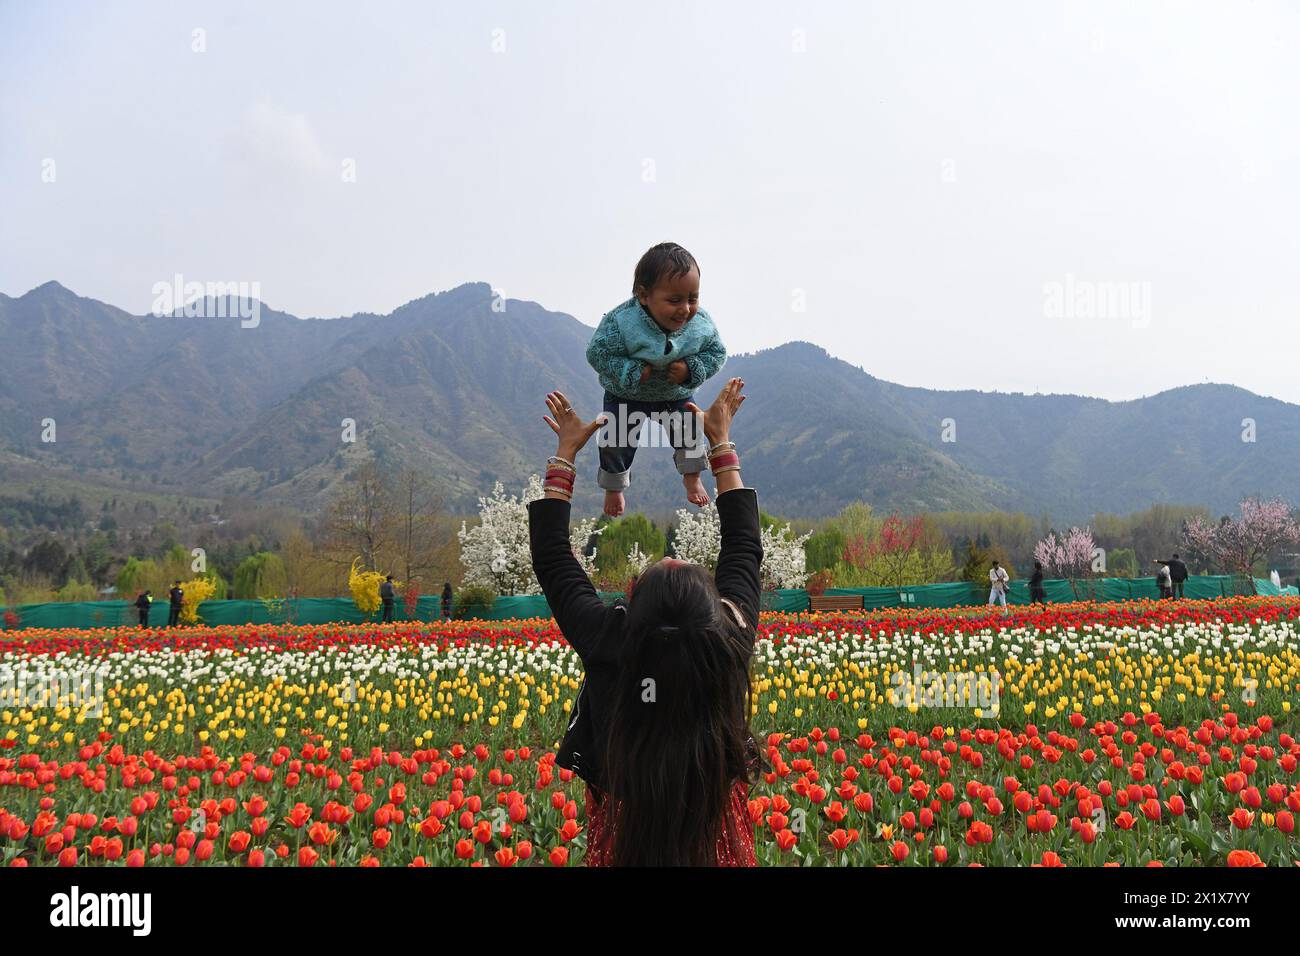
(560, 474)
(724, 460)
(561, 487)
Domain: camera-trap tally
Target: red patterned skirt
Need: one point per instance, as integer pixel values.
(735, 845)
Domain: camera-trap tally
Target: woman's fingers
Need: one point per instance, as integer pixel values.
(554, 427)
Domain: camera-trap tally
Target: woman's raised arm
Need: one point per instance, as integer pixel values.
(578, 609)
(741, 557)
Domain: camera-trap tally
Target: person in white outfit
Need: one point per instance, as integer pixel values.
(998, 582)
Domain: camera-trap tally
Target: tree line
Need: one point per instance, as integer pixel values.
(397, 522)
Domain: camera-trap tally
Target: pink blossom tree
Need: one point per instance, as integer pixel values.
(1070, 555)
(1237, 544)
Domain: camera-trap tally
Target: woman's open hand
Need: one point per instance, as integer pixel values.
(566, 424)
(717, 420)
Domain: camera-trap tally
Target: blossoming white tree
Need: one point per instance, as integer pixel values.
(699, 539)
(784, 559)
(495, 552)
(699, 536)
(637, 560)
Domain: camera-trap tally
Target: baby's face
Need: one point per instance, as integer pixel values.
(672, 302)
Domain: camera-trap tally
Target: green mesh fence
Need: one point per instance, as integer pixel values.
(93, 614)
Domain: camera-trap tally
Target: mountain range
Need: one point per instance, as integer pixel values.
(453, 384)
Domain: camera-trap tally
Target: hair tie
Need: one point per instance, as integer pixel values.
(668, 628)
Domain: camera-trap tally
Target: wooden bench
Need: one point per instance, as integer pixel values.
(835, 602)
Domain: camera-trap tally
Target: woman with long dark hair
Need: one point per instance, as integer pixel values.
(660, 727)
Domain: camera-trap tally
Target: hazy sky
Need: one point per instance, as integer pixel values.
(932, 190)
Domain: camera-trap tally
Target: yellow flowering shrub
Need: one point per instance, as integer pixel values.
(196, 592)
(364, 586)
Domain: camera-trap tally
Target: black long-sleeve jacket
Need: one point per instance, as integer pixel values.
(594, 629)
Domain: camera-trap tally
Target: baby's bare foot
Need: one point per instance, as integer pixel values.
(695, 492)
(614, 503)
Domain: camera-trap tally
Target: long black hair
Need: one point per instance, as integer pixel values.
(667, 260)
(678, 732)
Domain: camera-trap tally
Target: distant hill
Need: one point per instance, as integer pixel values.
(205, 408)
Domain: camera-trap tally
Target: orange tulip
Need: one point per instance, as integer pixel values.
(1244, 858)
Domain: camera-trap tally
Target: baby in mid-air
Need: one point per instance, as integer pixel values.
(652, 353)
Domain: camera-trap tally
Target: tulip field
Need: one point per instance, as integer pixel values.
(1134, 734)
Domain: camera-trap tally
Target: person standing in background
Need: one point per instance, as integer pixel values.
(446, 601)
(388, 595)
(998, 582)
(177, 600)
(1177, 575)
(1037, 595)
(143, 604)
(1163, 580)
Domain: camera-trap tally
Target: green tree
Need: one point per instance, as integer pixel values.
(824, 548)
(77, 573)
(220, 589)
(138, 575)
(618, 537)
(979, 558)
(98, 556)
(261, 575)
(1122, 563)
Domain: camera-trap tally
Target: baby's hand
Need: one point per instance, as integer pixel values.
(645, 372)
(678, 372)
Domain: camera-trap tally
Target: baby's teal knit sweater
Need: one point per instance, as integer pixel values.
(628, 336)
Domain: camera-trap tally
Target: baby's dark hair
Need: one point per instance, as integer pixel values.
(664, 261)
